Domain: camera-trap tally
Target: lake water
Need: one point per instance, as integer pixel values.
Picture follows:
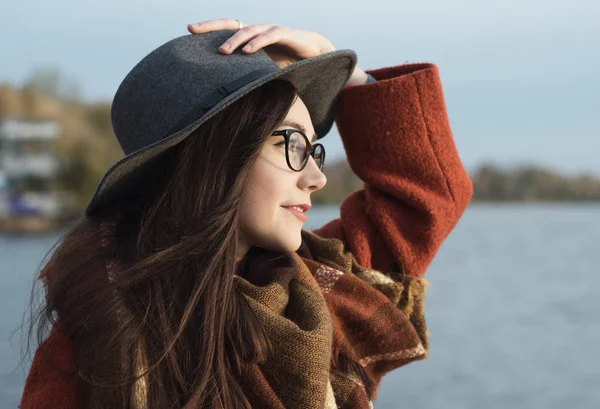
(513, 311)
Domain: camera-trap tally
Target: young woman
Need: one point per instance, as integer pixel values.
(190, 282)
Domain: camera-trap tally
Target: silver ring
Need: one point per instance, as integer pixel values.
(240, 25)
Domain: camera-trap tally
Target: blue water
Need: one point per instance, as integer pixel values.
(512, 308)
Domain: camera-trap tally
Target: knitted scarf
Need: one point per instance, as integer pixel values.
(336, 327)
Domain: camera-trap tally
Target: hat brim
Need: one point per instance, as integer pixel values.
(319, 81)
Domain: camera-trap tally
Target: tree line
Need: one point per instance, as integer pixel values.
(88, 148)
(491, 183)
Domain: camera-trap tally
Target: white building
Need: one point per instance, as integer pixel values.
(28, 168)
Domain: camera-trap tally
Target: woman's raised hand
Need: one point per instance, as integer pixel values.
(283, 44)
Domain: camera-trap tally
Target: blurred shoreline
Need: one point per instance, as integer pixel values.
(34, 226)
(55, 148)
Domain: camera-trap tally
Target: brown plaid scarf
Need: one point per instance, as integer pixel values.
(336, 327)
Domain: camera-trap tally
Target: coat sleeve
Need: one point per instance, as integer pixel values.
(51, 382)
(398, 141)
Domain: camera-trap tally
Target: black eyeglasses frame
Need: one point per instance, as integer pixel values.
(286, 133)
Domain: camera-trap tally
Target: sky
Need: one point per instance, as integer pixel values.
(520, 78)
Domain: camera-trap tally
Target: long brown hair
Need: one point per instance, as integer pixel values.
(154, 270)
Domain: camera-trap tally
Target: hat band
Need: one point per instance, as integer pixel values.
(217, 95)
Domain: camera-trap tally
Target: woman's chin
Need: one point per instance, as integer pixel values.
(287, 244)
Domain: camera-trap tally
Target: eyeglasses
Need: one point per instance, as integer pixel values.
(298, 149)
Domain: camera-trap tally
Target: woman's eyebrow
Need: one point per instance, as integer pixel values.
(300, 127)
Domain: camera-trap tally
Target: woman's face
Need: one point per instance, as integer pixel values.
(265, 220)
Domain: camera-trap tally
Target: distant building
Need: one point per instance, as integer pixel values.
(4, 208)
(28, 169)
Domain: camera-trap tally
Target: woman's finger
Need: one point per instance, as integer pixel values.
(243, 36)
(212, 25)
(268, 37)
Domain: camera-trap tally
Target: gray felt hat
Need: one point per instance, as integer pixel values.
(180, 85)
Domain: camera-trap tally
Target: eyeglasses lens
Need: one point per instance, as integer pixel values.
(298, 151)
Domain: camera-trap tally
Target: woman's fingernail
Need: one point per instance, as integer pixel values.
(225, 46)
(247, 48)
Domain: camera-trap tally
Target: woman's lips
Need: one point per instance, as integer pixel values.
(298, 214)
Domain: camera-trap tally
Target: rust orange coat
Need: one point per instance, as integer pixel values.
(398, 140)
